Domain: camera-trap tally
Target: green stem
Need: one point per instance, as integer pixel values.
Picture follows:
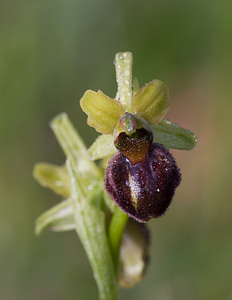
(117, 225)
(123, 66)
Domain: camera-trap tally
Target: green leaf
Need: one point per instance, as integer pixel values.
(53, 177)
(173, 136)
(151, 101)
(103, 112)
(90, 226)
(59, 218)
(102, 147)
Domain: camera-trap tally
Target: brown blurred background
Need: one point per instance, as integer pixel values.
(50, 53)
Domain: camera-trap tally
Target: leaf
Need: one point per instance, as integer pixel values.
(173, 136)
(102, 147)
(103, 112)
(151, 101)
(59, 218)
(53, 177)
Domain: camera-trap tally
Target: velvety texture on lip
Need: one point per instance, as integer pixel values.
(143, 190)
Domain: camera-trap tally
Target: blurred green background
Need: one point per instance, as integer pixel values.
(50, 53)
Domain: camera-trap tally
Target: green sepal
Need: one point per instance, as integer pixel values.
(58, 218)
(103, 112)
(173, 136)
(151, 101)
(123, 68)
(53, 177)
(102, 147)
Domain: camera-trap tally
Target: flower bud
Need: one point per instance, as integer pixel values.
(134, 254)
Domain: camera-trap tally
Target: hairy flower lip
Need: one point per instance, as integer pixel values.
(136, 190)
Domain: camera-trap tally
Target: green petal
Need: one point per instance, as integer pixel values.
(151, 101)
(102, 147)
(173, 136)
(103, 112)
(54, 177)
